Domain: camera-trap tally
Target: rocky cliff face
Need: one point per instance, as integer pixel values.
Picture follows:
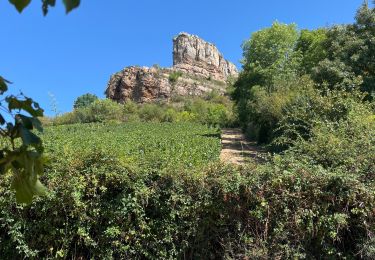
(196, 56)
(198, 68)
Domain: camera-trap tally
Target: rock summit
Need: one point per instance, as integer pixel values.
(198, 68)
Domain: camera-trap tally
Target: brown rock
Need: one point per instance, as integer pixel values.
(199, 65)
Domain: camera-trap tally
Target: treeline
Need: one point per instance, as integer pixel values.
(212, 109)
(293, 79)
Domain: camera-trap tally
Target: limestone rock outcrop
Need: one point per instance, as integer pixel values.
(191, 54)
(198, 68)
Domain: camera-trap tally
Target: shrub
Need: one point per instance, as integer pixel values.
(85, 100)
(104, 110)
(170, 115)
(314, 107)
(98, 111)
(185, 116)
(68, 118)
(151, 112)
(131, 111)
(348, 143)
(263, 111)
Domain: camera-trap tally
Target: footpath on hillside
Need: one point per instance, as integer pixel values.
(236, 149)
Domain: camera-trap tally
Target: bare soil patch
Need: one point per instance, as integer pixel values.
(236, 149)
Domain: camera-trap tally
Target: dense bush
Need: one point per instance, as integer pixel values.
(312, 108)
(84, 100)
(98, 207)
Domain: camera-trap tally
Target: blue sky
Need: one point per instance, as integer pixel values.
(70, 55)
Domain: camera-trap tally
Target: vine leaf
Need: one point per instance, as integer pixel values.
(71, 4)
(3, 85)
(20, 4)
(27, 167)
(28, 105)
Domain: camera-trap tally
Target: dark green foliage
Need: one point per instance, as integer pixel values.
(84, 100)
(351, 54)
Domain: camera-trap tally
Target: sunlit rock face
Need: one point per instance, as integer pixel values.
(198, 68)
(193, 55)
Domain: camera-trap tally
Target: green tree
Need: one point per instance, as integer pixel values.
(84, 100)
(21, 149)
(311, 46)
(351, 54)
(270, 62)
(270, 53)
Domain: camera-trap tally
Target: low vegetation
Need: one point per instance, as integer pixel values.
(155, 191)
(213, 110)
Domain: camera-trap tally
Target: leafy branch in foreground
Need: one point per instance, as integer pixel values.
(22, 4)
(21, 149)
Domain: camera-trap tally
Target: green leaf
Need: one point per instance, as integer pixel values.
(71, 4)
(25, 182)
(29, 122)
(3, 85)
(26, 188)
(2, 120)
(20, 4)
(28, 105)
(28, 137)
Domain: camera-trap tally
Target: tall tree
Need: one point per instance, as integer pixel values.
(270, 53)
(351, 54)
(311, 46)
(268, 56)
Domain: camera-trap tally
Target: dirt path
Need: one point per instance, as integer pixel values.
(235, 148)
